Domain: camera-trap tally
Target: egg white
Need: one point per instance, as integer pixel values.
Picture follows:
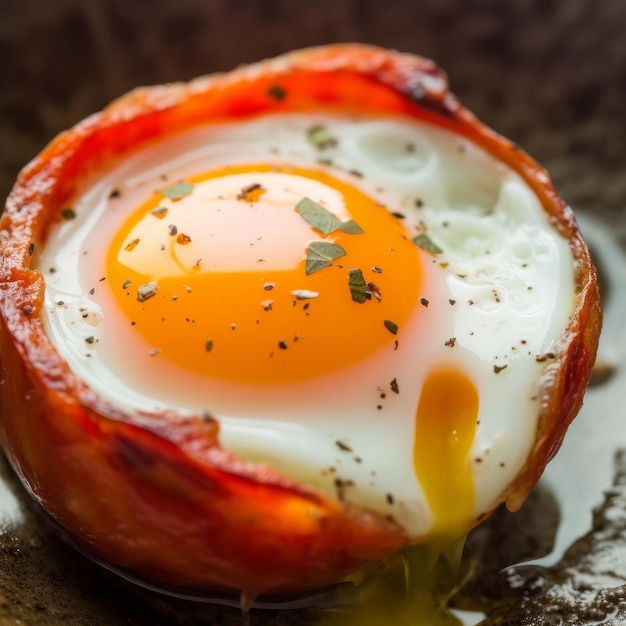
(503, 289)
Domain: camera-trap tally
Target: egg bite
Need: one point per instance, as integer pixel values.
(264, 328)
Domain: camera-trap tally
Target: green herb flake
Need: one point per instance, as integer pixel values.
(276, 92)
(178, 190)
(358, 286)
(323, 220)
(68, 214)
(319, 137)
(317, 216)
(392, 327)
(424, 241)
(321, 254)
(351, 228)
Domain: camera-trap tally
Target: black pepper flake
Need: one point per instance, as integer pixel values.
(373, 291)
(276, 92)
(269, 286)
(398, 215)
(68, 214)
(90, 339)
(31, 249)
(102, 279)
(540, 358)
(394, 386)
(343, 446)
(208, 346)
(424, 302)
(154, 352)
(245, 192)
(282, 345)
(395, 344)
(28, 309)
(172, 230)
(376, 270)
(356, 173)
(452, 302)
(450, 343)
(126, 284)
(419, 203)
(498, 368)
(379, 407)
(390, 499)
(92, 291)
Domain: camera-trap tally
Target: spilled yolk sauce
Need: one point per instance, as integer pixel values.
(445, 426)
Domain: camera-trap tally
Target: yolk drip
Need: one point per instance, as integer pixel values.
(217, 282)
(444, 432)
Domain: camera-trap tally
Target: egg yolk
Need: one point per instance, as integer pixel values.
(263, 274)
(444, 432)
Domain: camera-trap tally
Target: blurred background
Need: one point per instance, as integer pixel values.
(549, 74)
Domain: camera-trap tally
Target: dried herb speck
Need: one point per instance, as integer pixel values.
(276, 92)
(159, 212)
(131, 245)
(392, 327)
(344, 447)
(146, 291)
(319, 137)
(323, 220)
(358, 286)
(178, 190)
(321, 254)
(424, 241)
(304, 294)
(68, 214)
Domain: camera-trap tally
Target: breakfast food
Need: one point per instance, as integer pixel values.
(267, 327)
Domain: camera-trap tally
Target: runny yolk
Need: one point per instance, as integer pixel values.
(223, 279)
(444, 432)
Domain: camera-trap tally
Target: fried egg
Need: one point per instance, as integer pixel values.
(365, 305)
